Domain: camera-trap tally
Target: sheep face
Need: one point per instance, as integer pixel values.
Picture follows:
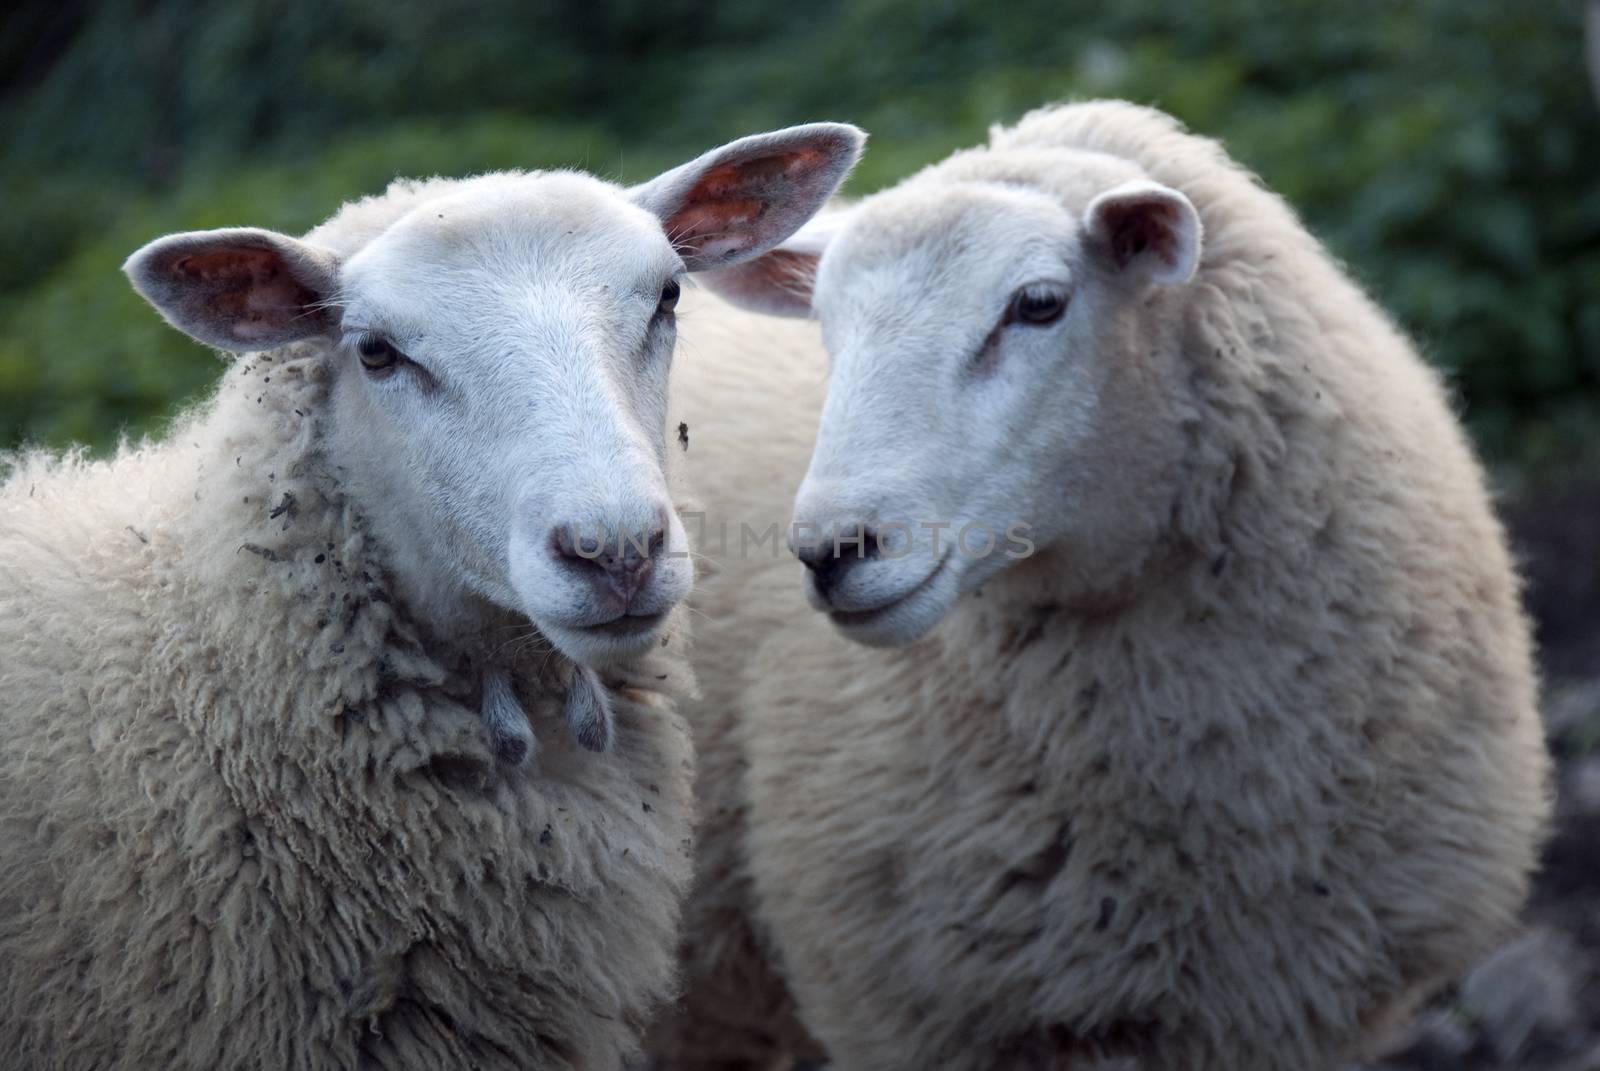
(498, 351)
(499, 399)
(1003, 384)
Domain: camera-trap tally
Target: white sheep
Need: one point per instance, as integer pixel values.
(747, 388)
(248, 816)
(1229, 756)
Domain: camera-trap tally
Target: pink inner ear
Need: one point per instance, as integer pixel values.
(1135, 227)
(745, 177)
(250, 289)
(780, 280)
(712, 228)
(720, 213)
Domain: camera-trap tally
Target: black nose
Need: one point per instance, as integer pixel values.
(832, 556)
(622, 563)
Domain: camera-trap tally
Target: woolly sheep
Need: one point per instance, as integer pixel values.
(1242, 760)
(748, 389)
(248, 813)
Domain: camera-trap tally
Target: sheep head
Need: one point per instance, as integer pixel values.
(1003, 384)
(498, 352)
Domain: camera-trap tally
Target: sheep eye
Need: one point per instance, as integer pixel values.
(669, 297)
(377, 354)
(1036, 306)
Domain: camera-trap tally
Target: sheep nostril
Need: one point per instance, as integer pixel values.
(868, 548)
(825, 571)
(621, 568)
(567, 542)
(830, 558)
(859, 543)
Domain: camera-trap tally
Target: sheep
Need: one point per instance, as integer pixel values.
(748, 388)
(1231, 755)
(249, 814)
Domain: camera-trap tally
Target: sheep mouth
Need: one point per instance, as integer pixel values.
(858, 618)
(627, 626)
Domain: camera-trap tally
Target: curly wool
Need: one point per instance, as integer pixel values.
(1236, 812)
(248, 814)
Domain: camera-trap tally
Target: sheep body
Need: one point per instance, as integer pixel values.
(747, 388)
(247, 811)
(1237, 810)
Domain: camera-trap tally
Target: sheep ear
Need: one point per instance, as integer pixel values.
(780, 282)
(237, 289)
(1147, 230)
(738, 201)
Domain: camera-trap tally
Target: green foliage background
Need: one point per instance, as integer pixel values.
(1447, 149)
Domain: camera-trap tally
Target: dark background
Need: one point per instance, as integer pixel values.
(1446, 148)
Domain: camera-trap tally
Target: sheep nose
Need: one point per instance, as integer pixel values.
(830, 558)
(618, 562)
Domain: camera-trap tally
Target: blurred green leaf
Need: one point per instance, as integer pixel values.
(1447, 149)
